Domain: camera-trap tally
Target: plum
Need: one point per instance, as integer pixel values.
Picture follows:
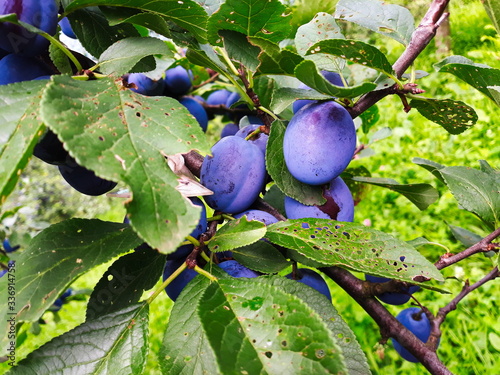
(333, 78)
(339, 205)
(235, 172)
(313, 279)
(229, 129)
(66, 28)
(84, 180)
(16, 68)
(145, 85)
(260, 140)
(41, 14)
(319, 142)
(196, 109)
(393, 298)
(178, 81)
(258, 215)
(50, 149)
(218, 97)
(178, 284)
(8, 247)
(235, 269)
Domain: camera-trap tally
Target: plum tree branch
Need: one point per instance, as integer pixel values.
(421, 37)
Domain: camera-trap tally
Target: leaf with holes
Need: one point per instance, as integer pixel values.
(321, 242)
(421, 195)
(116, 343)
(455, 116)
(390, 20)
(240, 231)
(356, 52)
(57, 256)
(265, 19)
(124, 136)
(276, 167)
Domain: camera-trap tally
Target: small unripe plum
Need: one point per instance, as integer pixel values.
(218, 97)
(145, 85)
(179, 283)
(196, 109)
(339, 204)
(417, 323)
(84, 180)
(16, 68)
(319, 142)
(313, 279)
(333, 78)
(177, 81)
(229, 129)
(235, 269)
(66, 28)
(259, 140)
(41, 14)
(235, 172)
(393, 298)
(50, 149)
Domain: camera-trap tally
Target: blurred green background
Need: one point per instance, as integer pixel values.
(471, 334)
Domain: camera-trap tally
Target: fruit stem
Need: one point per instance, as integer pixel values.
(205, 273)
(264, 109)
(166, 282)
(193, 240)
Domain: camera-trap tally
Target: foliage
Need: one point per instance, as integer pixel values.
(221, 324)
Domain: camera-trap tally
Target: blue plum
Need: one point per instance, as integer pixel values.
(260, 140)
(339, 205)
(66, 28)
(178, 81)
(196, 109)
(313, 279)
(50, 149)
(178, 284)
(84, 180)
(235, 269)
(218, 97)
(390, 297)
(41, 14)
(8, 247)
(333, 78)
(319, 142)
(418, 324)
(145, 85)
(236, 174)
(16, 68)
(229, 129)
(258, 215)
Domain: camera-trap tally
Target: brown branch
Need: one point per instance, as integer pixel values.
(421, 37)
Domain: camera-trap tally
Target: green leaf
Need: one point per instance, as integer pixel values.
(356, 52)
(239, 49)
(492, 7)
(185, 348)
(352, 246)
(431, 166)
(276, 167)
(206, 57)
(495, 93)
(391, 20)
(308, 73)
(60, 60)
(454, 116)
(465, 236)
(285, 96)
(257, 327)
(476, 191)
(57, 256)
(123, 55)
(261, 256)
(125, 281)
(369, 118)
(380, 134)
(479, 76)
(237, 233)
(154, 22)
(265, 19)
(421, 195)
(123, 136)
(19, 130)
(264, 87)
(186, 13)
(116, 343)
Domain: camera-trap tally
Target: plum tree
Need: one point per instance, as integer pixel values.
(17, 68)
(319, 142)
(178, 81)
(393, 298)
(339, 204)
(145, 85)
(196, 109)
(84, 180)
(235, 173)
(417, 323)
(311, 278)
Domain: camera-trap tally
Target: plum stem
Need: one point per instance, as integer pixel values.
(162, 287)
